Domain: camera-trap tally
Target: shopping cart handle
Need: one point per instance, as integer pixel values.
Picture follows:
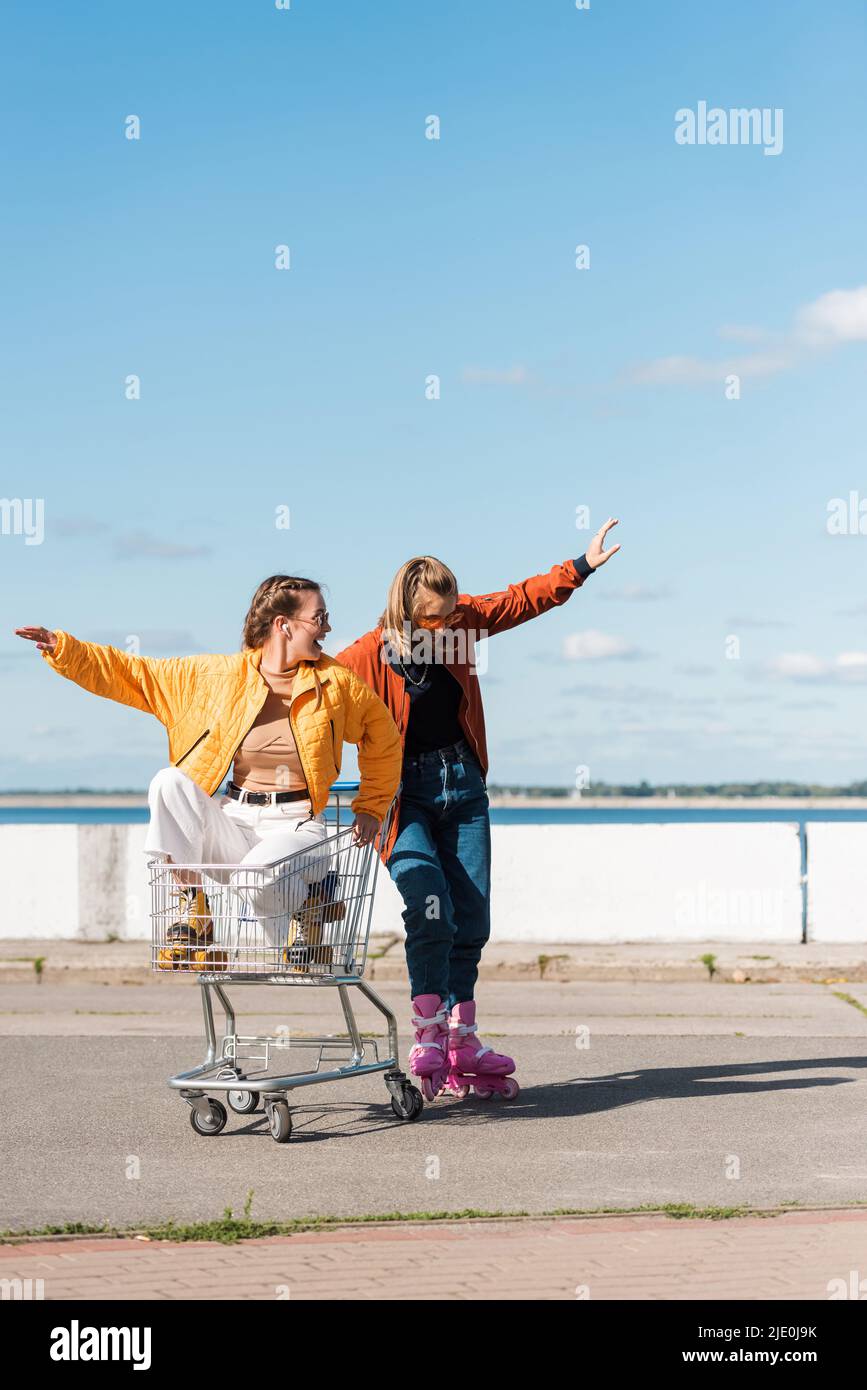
(345, 786)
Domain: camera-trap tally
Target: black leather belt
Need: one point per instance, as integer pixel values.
(263, 798)
(452, 753)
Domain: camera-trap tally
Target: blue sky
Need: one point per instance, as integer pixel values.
(410, 257)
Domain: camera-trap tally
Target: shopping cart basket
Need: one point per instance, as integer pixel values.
(304, 921)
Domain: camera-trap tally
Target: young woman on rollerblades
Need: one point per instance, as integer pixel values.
(420, 661)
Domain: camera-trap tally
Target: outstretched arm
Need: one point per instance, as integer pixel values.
(147, 683)
(493, 613)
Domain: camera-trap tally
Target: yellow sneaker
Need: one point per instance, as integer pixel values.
(305, 950)
(188, 941)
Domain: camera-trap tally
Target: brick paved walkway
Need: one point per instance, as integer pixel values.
(792, 1256)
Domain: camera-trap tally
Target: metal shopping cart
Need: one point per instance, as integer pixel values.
(302, 922)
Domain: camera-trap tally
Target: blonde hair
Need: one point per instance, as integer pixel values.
(277, 597)
(422, 572)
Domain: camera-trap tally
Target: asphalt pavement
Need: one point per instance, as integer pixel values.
(632, 1094)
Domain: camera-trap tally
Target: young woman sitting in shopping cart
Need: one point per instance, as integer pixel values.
(277, 714)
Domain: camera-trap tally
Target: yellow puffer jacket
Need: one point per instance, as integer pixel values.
(208, 703)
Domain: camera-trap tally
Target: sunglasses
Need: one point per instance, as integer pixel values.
(434, 624)
(318, 619)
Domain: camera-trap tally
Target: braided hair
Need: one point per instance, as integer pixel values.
(277, 597)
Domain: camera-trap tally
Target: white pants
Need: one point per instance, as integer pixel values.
(190, 827)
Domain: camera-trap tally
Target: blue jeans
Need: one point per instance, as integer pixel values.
(441, 863)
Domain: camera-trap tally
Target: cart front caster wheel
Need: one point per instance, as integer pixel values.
(280, 1121)
(410, 1105)
(243, 1102)
(212, 1121)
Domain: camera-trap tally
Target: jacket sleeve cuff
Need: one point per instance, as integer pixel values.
(583, 567)
(55, 658)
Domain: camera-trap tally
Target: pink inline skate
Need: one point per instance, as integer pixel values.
(471, 1065)
(429, 1057)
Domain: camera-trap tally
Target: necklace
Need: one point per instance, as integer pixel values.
(408, 677)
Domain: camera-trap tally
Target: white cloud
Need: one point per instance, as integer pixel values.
(840, 316)
(837, 317)
(805, 666)
(495, 376)
(79, 526)
(743, 333)
(142, 544)
(735, 623)
(593, 645)
(694, 371)
(834, 318)
(797, 666)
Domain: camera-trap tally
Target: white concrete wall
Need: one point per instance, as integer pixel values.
(666, 882)
(698, 882)
(137, 885)
(39, 881)
(551, 883)
(837, 862)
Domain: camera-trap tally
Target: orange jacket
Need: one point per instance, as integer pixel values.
(481, 616)
(208, 703)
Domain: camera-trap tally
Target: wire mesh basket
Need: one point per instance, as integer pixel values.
(307, 915)
(303, 920)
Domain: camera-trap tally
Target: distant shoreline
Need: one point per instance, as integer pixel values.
(108, 800)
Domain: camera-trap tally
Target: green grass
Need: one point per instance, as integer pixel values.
(544, 961)
(383, 950)
(228, 1229)
(848, 999)
(709, 960)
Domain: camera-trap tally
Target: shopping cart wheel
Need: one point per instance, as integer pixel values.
(409, 1105)
(279, 1121)
(243, 1102)
(212, 1121)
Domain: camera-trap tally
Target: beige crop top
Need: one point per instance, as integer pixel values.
(267, 760)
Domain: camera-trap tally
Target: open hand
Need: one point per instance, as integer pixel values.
(594, 553)
(45, 639)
